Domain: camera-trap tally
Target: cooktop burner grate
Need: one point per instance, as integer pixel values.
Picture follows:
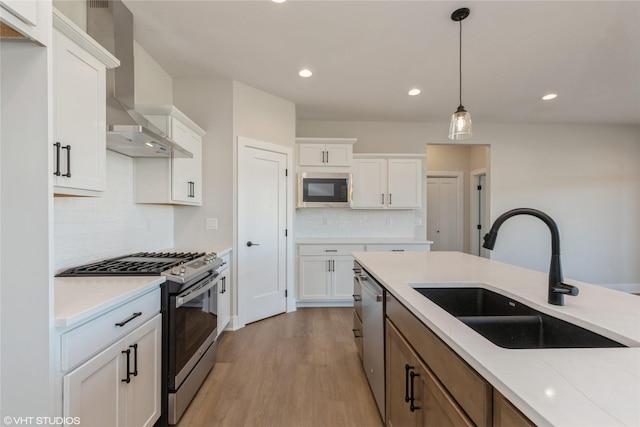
(142, 264)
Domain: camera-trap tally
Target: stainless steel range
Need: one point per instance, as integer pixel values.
(189, 317)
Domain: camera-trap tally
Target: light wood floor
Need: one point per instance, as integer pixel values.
(296, 369)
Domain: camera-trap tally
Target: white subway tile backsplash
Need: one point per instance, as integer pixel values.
(354, 223)
(88, 229)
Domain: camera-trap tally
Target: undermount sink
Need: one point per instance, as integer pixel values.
(511, 324)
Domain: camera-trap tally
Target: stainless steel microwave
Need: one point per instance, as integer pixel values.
(324, 190)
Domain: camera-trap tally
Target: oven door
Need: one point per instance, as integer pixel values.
(194, 328)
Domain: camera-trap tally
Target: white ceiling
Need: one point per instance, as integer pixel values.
(366, 55)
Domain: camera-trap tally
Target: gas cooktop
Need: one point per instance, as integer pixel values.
(182, 268)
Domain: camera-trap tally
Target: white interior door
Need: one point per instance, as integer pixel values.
(444, 213)
(262, 219)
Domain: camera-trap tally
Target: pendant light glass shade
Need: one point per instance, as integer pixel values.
(461, 119)
(460, 125)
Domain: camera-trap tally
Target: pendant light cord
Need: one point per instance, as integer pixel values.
(460, 61)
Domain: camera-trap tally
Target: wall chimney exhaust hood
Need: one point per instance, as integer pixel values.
(110, 23)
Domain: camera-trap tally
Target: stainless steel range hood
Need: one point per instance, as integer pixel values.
(110, 23)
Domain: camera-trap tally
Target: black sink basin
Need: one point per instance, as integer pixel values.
(510, 324)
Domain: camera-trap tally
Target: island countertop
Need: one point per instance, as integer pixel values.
(560, 387)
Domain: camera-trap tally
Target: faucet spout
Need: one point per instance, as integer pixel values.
(557, 289)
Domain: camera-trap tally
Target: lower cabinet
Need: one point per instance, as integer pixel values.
(120, 386)
(224, 297)
(326, 277)
(507, 415)
(415, 397)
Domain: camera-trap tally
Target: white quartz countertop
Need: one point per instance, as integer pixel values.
(77, 299)
(363, 241)
(559, 387)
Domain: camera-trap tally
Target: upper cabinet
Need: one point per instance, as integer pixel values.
(26, 18)
(387, 182)
(175, 180)
(79, 109)
(325, 152)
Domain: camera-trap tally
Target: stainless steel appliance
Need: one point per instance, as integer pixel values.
(372, 334)
(189, 317)
(322, 190)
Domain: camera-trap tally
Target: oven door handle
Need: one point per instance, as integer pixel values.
(196, 292)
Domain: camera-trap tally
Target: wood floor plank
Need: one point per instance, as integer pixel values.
(295, 369)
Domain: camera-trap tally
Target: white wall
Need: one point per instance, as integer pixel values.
(587, 177)
(153, 86)
(209, 104)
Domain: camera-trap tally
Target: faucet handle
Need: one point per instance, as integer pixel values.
(563, 288)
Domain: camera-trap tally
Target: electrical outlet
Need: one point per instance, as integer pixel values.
(211, 224)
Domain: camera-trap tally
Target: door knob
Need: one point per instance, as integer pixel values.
(249, 243)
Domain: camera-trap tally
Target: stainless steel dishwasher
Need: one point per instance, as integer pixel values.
(372, 335)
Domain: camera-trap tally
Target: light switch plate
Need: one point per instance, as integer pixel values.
(211, 224)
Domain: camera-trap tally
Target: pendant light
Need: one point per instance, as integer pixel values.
(461, 119)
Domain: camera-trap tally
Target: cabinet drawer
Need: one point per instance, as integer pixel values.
(468, 388)
(80, 343)
(329, 249)
(398, 248)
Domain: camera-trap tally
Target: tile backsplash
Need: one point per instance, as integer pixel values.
(355, 223)
(88, 229)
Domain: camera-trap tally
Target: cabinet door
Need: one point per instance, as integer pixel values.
(314, 277)
(342, 269)
(404, 183)
(143, 392)
(369, 183)
(25, 16)
(311, 155)
(338, 154)
(437, 407)
(186, 174)
(400, 361)
(79, 117)
(94, 392)
(223, 301)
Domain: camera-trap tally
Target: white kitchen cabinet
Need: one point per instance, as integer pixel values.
(79, 113)
(120, 386)
(325, 152)
(387, 183)
(175, 180)
(325, 272)
(224, 297)
(27, 17)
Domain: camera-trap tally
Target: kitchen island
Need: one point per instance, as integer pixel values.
(572, 386)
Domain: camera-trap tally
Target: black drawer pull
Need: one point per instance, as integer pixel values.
(68, 148)
(129, 319)
(407, 368)
(135, 359)
(355, 333)
(413, 407)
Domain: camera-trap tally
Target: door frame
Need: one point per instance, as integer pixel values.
(473, 212)
(459, 176)
(238, 318)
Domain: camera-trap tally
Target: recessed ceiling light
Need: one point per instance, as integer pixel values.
(414, 92)
(278, 1)
(549, 96)
(305, 73)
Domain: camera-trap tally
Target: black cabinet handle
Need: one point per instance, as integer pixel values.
(57, 172)
(389, 198)
(327, 157)
(355, 333)
(407, 368)
(413, 407)
(382, 203)
(357, 297)
(68, 148)
(135, 359)
(128, 353)
(129, 319)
